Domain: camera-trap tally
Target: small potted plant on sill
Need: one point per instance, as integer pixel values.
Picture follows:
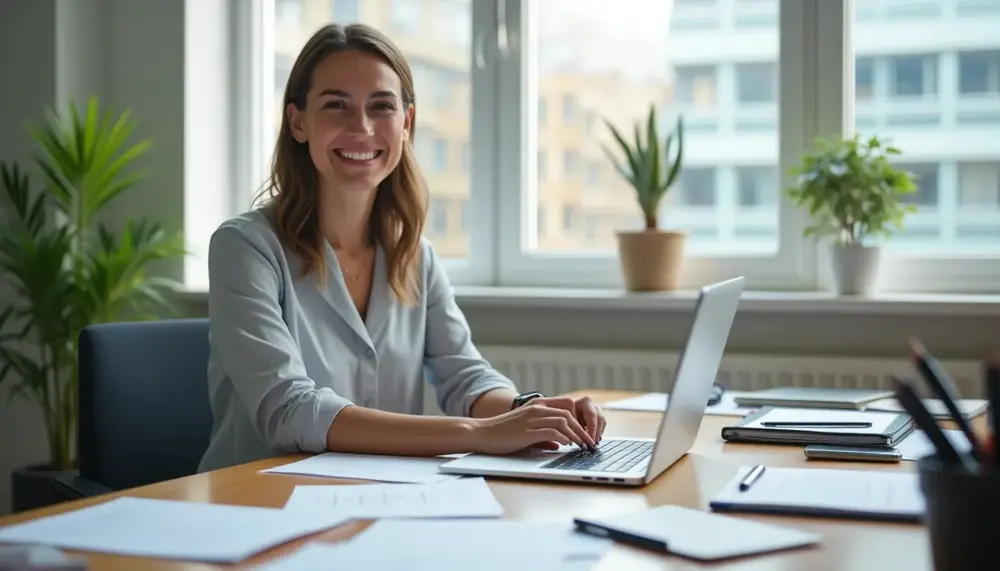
(651, 259)
(853, 195)
(62, 269)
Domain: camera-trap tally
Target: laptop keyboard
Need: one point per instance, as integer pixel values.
(610, 456)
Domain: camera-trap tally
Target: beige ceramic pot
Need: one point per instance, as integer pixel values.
(651, 260)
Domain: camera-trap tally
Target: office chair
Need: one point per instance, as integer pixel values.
(144, 411)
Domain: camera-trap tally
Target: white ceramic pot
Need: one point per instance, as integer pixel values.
(855, 269)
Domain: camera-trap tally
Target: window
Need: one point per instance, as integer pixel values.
(696, 86)
(913, 75)
(864, 78)
(344, 12)
(756, 83)
(979, 185)
(979, 72)
(511, 138)
(405, 16)
(757, 187)
(938, 78)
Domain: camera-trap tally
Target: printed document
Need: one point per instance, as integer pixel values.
(468, 497)
(452, 545)
(170, 529)
(809, 491)
(400, 469)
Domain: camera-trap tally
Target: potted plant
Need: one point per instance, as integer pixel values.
(67, 270)
(853, 195)
(651, 258)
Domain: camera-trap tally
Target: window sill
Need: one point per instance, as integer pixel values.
(752, 301)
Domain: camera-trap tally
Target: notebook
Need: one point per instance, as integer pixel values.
(887, 428)
(853, 494)
(811, 397)
(695, 534)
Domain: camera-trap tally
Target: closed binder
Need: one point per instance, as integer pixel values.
(886, 428)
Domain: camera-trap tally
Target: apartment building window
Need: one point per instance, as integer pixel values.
(542, 164)
(569, 109)
(756, 83)
(440, 154)
(282, 69)
(345, 11)
(979, 184)
(979, 72)
(914, 75)
(926, 175)
(757, 186)
(864, 78)
(569, 217)
(405, 16)
(542, 112)
(438, 217)
(697, 186)
(696, 86)
(571, 166)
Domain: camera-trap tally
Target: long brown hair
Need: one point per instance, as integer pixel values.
(401, 199)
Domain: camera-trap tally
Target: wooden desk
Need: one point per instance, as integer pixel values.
(846, 545)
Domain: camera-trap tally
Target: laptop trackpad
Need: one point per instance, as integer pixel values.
(522, 460)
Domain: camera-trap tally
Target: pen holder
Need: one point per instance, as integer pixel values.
(963, 515)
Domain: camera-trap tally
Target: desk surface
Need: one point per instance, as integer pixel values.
(846, 545)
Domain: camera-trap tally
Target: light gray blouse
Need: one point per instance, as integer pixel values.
(287, 355)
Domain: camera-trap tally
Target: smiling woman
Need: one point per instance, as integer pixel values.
(326, 305)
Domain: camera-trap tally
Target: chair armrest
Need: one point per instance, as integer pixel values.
(75, 487)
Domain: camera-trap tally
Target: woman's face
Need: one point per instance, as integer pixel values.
(355, 121)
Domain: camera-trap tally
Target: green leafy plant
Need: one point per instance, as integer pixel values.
(650, 166)
(65, 268)
(851, 190)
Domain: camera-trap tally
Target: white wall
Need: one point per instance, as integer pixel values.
(130, 53)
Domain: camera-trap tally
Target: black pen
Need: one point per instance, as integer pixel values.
(932, 372)
(751, 477)
(911, 403)
(818, 424)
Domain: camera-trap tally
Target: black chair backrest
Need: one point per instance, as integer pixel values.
(144, 411)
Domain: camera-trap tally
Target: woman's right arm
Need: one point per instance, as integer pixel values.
(291, 413)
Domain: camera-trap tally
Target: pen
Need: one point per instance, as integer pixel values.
(751, 477)
(818, 424)
(911, 403)
(993, 395)
(932, 372)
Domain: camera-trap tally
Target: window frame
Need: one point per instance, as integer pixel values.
(816, 74)
(793, 267)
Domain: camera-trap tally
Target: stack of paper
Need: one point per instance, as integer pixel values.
(402, 469)
(469, 497)
(447, 545)
(657, 402)
(170, 529)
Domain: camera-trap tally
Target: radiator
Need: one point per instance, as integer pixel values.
(559, 370)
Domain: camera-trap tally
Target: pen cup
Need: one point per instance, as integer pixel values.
(962, 515)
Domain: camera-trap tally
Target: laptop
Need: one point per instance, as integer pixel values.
(636, 461)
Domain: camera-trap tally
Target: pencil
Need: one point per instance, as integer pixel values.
(935, 375)
(993, 395)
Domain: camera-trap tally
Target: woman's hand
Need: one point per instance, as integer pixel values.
(586, 412)
(537, 425)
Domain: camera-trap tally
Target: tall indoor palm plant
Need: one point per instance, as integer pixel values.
(65, 267)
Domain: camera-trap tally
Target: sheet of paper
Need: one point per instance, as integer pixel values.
(880, 420)
(704, 535)
(399, 469)
(916, 445)
(970, 407)
(170, 529)
(809, 490)
(446, 545)
(657, 402)
(468, 497)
